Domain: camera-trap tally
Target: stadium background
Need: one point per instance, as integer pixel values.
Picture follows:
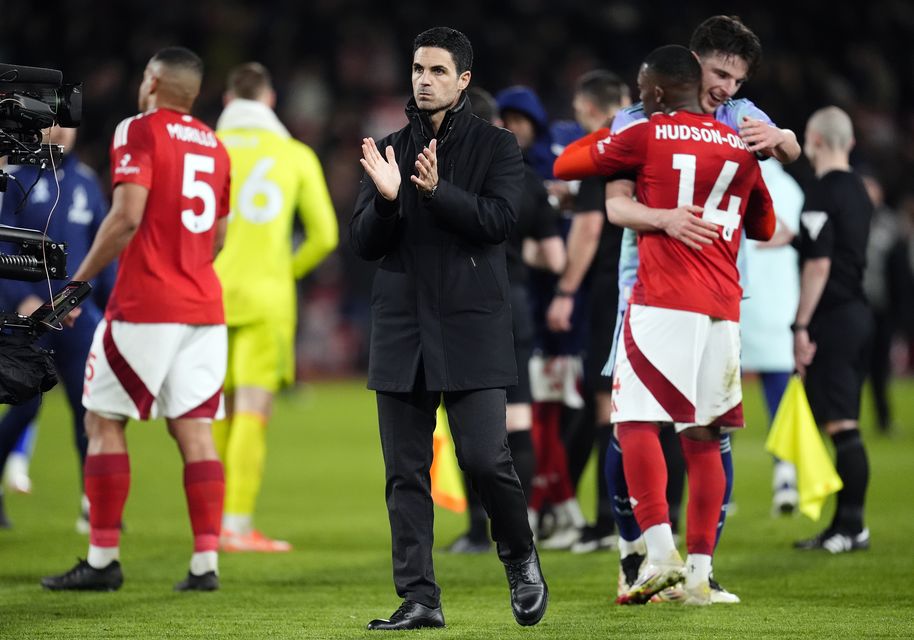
(341, 72)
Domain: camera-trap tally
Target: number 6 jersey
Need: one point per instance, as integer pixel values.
(165, 273)
(679, 159)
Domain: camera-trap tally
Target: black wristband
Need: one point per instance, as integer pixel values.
(560, 293)
(798, 327)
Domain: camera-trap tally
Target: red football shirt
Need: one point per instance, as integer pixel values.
(166, 272)
(681, 159)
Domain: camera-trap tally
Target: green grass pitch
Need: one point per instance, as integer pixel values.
(324, 491)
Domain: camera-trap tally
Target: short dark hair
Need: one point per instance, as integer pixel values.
(179, 57)
(249, 80)
(483, 103)
(729, 36)
(604, 88)
(450, 40)
(675, 64)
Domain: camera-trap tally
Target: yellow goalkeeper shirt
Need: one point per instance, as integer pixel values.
(273, 176)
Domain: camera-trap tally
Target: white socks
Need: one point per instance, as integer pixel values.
(660, 544)
(101, 557)
(204, 562)
(698, 570)
(237, 523)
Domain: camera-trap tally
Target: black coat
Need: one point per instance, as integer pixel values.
(441, 291)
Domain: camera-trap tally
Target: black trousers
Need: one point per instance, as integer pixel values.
(477, 421)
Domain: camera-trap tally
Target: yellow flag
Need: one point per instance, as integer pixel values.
(795, 438)
(447, 481)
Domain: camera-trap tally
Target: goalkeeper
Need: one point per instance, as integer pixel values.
(273, 175)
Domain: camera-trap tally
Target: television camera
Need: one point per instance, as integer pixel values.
(32, 99)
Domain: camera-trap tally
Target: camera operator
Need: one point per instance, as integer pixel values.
(80, 207)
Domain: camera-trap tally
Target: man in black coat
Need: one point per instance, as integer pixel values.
(436, 208)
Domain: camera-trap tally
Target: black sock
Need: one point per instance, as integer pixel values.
(854, 469)
(675, 472)
(521, 445)
(605, 522)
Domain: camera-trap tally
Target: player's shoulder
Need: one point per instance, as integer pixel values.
(734, 110)
(628, 116)
(131, 126)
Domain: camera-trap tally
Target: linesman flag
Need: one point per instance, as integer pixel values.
(447, 481)
(795, 438)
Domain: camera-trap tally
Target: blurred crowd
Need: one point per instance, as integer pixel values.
(341, 71)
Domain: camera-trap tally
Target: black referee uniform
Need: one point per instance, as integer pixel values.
(835, 224)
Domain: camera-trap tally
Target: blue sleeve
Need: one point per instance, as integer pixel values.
(626, 116)
(733, 111)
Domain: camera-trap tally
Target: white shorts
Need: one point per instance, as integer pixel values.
(153, 370)
(677, 366)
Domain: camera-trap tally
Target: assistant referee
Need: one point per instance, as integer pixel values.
(834, 325)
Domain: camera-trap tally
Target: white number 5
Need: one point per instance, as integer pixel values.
(194, 188)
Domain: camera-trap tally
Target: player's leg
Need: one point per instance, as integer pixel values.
(107, 483)
(262, 354)
(112, 393)
(222, 426)
(656, 377)
(784, 476)
(71, 351)
(632, 551)
(707, 486)
(16, 474)
(709, 459)
(204, 488)
(190, 399)
(13, 428)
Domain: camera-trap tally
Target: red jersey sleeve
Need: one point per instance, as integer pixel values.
(132, 153)
(759, 219)
(602, 154)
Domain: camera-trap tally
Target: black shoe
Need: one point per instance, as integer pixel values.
(468, 544)
(208, 581)
(410, 615)
(835, 541)
(84, 577)
(529, 593)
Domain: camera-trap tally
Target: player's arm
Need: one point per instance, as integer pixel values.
(577, 160)
(682, 223)
(760, 220)
(315, 209)
(117, 229)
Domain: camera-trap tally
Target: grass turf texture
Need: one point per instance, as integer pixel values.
(324, 491)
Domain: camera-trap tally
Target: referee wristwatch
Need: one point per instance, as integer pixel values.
(798, 327)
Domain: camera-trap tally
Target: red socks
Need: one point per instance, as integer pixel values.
(107, 482)
(706, 493)
(645, 472)
(204, 484)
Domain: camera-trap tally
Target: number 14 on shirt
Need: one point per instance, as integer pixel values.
(729, 218)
